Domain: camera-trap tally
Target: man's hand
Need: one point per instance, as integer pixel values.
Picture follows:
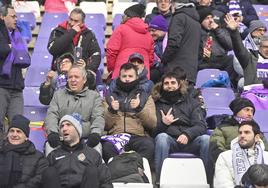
(168, 118)
(214, 25)
(115, 104)
(206, 53)
(182, 139)
(231, 23)
(134, 103)
(76, 27)
(81, 63)
(50, 76)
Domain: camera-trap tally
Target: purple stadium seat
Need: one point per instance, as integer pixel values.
(182, 155)
(38, 137)
(31, 97)
(260, 117)
(41, 45)
(117, 20)
(95, 19)
(266, 135)
(261, 9)
(264, 19)
(35, 113)
(36, 75)
(208, 74)
(213, 111)
(27, 16)
(41, 59)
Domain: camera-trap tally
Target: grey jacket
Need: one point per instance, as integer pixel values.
(88, 103)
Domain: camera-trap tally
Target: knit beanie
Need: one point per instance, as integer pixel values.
(159, 23)
(75, 120)
(136, 56)
(234, 8)
(204, 12)
(22, 123)
(239, 103)
(256, 24)
(137, 10)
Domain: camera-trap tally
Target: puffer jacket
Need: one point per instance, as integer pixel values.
(88, 103)
(33, 164)
(128, 38)
(140, 121)
(71, 163)
(156, 12)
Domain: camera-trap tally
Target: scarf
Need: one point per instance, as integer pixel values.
(127, 86)
(18, 44)
(118, 140)
(241, 159)
(240, 119)
(12, 164)
(171, 96)
(77, 35)
(61, 81)
(181, 5)
(250, 44)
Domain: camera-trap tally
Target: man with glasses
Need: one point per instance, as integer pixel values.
(72, 35)
(164, 8)
(13, 57)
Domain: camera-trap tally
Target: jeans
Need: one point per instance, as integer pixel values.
(165, 144)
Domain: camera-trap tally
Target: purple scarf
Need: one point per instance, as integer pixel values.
(18, 47)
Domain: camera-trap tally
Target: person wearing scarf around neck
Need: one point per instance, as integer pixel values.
(247, 149)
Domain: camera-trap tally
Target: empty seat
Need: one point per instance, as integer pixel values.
(116, 20)
(94, 8)
(208, 74)
(213, 111)
(38, 137)
(34, 113)
(260, 117)
(261, 9)
(41, 59)
(41, 45)
(179, 173)
(35, 76)
(27, 16)
(120, 7)
(31, 97)
(95, 19)
(27, 6)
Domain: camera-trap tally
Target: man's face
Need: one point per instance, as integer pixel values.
(170, 84)
(205, 2)
(263, 49)
(258, 32)
(127, 76)
(74, 19)
(156, 34)
(69, 133)
(206, 23)
(138, 63)
(246, 113)
(246, 138)
(76, 81)
(163, 6)
(16, 136)
(65, 65)
(10, 19)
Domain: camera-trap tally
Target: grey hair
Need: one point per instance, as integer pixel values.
(82, 70)
(79, 11)
(4, 9)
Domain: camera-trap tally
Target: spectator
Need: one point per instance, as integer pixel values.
(246, 150)
(21, 165)
(183, 40)
(13, 57)
(74, 164)
(130, 37)
(158, 28)
(137, 60)
(256, 176)
(181, 126)
(73, 34)
(248, 60)
(130, 115)
(164, 8)
(248, 11)
(58, 80)
(59, 6)
(76, 98)
(220, 140)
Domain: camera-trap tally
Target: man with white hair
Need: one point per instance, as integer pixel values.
(74, 164)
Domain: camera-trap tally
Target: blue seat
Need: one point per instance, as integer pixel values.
(41, 44)
(34, 113)
(36, 75)
(27, 16)
(116, 21)
(260, 117)
(95, 19)
(38, 137)
(31, 97)
(208, 74)
(41, 59)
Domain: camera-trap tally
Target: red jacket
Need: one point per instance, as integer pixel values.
(130, 37)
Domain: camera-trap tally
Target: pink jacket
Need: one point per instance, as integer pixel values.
(130, 37)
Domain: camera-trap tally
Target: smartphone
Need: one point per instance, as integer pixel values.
(77, 53)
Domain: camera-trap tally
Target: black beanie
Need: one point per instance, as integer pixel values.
(22, 123)
(239, 103)
(204, 12)
(137, 10)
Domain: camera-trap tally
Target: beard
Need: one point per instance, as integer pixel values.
(247, 145)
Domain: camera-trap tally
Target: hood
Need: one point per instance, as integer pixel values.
(80, 94)
(235, 140)
(138, 25)
(188, 10)
(143, 76)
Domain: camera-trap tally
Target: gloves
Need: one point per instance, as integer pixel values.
(93, 139)
(53, 139)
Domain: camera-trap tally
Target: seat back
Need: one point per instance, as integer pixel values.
(120, 7)
(208, 74)
(94, 8)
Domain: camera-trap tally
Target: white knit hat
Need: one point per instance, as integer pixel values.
(234, 7)
(75, 120)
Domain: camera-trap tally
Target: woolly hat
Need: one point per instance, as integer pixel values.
(239, 103)
(204, 12)
(22, 123)
(234, 8)
(256, 24)
(136, 56)
(159, 23)
(137, 10)
(75, 120)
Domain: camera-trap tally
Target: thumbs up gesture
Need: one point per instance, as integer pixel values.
(114, 104)
(134, 103)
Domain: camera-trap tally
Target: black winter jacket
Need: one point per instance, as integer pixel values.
(60, 42)
(72, 162)
(155, 12)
